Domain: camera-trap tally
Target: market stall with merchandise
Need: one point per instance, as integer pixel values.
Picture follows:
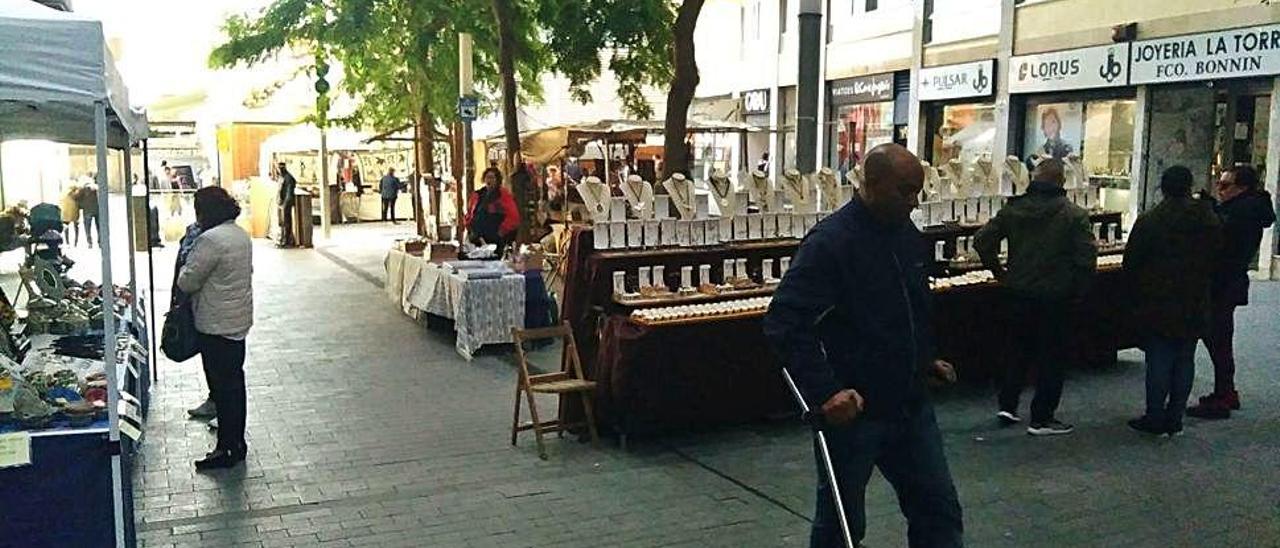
(75, 362)
(667, 304)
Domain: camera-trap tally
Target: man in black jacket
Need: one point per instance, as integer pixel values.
(288, 186)
(852, 322)
(1245, 210)
(1052, 258)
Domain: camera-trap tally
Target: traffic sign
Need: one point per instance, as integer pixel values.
(468, 108)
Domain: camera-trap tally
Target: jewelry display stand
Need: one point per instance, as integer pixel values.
(761, 192)
(799, 190)
(680, 190)
(723, 192)
(596, 196)
(638, 194)
(1015, 178)
(982, 178)
(952, 177)
(829, 188)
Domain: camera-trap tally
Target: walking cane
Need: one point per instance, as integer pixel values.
(817, 421)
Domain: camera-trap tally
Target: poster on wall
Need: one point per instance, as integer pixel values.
(1236, 53)
(1054, 130)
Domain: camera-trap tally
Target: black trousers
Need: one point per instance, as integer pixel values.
(223, 361)
(90, 226)
(286, 226)
(389, 209)
(1041, 329)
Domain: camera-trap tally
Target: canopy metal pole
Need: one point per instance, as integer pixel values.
(128, 217)
(3, 203)
(152, 320)
(109, 320)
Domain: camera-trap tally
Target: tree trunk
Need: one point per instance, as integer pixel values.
(675, 155)
(425, 144)
(504, 12)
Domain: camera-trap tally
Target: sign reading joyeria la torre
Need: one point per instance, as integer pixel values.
(1237, 53)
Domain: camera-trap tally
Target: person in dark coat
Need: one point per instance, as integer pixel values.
(389, 187)
(288, 188)
(1245, 210)
(1052, 260)
(1168, 262)
(852, 323)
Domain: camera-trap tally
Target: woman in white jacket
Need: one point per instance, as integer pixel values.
(219, 276)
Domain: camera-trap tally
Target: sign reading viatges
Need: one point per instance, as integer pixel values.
(1100, 67)
(1235, 53)
(755, 101)
(863, 89)
(975, 79)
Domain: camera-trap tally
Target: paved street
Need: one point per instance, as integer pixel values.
(366, 429)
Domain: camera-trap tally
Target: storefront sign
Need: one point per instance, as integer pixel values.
(1235, 53)
(1099, 67)
(755, 101)
(864, 89)
(957, 81)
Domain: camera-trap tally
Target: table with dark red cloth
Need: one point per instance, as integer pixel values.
(654, 378)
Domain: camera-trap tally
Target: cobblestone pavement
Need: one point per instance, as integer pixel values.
(366, 429)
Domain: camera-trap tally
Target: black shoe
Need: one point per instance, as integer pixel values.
(218, 459)
(1049, 428)
(1212, 411)
(1145, 424)
(1008, 418)
(1173, 430)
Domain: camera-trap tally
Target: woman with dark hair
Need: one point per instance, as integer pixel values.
(1246, 210)
(1169, 261)
(492, 217)
(218, 275)
(1051, 127)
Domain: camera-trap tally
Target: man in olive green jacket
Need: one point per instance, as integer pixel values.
(1052, 259)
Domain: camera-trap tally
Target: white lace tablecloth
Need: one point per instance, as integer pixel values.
(483, 310)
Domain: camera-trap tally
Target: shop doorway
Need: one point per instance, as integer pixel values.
(1241, 125)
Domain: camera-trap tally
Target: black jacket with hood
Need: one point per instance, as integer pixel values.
(1243, 219)
(1051, 249)
(1168, 262)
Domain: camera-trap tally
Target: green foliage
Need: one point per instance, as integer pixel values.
(635, 34)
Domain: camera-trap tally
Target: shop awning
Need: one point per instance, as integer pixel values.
(547, 145)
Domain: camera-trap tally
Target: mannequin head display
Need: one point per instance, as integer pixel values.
(981, 177)
(595, 194)
(830, 188)
(794, 185)
(722, 191)
(931, 182)
(761, 190)
(680, 188)
(639, 195)
(1015, 177)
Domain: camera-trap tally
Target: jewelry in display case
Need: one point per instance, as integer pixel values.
(723, 192)
(684, 233)
(686, 280)
(755, 226)
(667, 230)
(829, 188)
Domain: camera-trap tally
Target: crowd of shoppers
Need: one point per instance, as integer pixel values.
(852, 322)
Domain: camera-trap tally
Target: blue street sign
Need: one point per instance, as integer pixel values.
(468, 108)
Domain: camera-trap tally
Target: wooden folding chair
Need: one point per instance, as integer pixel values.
(569, 380)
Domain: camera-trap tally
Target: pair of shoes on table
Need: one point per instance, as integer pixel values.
(206, 410)
(1148, 425)
(222, 458)
(1052, 427)
(1215, 406)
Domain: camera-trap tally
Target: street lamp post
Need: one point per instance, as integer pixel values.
(807, 86)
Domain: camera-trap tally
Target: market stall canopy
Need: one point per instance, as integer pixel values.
(305, 139)
(54, 66)
(550, 144)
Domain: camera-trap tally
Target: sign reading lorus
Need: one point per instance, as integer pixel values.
(1237, 53)
(957, 81)
(1098, 67)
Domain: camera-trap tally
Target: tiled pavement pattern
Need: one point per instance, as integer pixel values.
(366, 430)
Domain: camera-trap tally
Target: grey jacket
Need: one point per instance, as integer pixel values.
(219, 277)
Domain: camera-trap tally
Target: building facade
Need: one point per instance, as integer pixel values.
(1124, 89)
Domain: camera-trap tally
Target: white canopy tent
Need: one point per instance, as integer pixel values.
(58, 82)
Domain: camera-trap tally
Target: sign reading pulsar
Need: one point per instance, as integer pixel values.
(1237, 53)
(957, 81)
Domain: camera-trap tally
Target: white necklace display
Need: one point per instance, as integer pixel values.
(1074, 171)
(952, 178)
(681, 190)
(759, 188)
(639, 195)
(721, 190)
(796, 187)
(855, 176)
(1016, 178)
(596, 196)
(702, 310)
(830, 187)
(980, 177)
(931, 182)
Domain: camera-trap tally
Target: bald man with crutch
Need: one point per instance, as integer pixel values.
(852, 323)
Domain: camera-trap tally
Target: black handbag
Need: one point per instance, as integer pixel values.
(178, 337)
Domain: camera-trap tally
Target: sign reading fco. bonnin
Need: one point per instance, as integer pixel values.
(1235, 53)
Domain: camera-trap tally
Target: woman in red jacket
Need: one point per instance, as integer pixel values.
(492, 217)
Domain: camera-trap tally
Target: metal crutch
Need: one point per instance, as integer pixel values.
(816, 421)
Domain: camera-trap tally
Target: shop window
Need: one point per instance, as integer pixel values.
(963, 132)
(857, 129)
(872, 5)
(1096, 134)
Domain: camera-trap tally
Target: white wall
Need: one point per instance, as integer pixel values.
(960, 20)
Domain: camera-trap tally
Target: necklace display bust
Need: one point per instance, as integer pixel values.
(680, 188)
(1015, 178)
(829, 186)
(596, 195)
(760, 189)
(952, 178)
(639, 195)
(981, 177)
(722, 191)
(932, 182)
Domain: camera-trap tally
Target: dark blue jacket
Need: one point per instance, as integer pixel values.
(853, 311)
